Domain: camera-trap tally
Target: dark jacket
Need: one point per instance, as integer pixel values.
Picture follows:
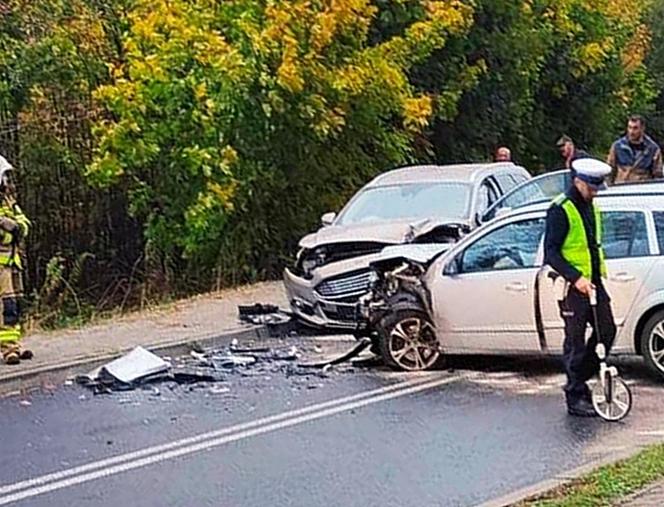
(557, 227)
(631, 162)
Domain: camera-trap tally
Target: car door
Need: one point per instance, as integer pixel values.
(627, 247)
(484, 299)
(539, 189)
(486, 195)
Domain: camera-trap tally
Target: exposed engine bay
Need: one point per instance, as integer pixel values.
(395, 283)
(310, 258)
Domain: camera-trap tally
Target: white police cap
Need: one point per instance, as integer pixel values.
(591, 170)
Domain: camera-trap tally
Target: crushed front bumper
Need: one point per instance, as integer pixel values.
(308, 305)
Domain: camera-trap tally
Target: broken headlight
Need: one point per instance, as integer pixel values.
(311, 259)
(373, 279)
(308, 266)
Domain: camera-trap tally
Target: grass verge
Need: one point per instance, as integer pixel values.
(606, 485)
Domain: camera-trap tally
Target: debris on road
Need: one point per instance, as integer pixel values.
(219, 390)
(263, 314)
(136, 365)
(354, 352)
(136, 368)
(205, 367)
(126, 372)
(232, 360)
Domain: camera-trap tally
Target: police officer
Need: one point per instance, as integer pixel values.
(573, 249)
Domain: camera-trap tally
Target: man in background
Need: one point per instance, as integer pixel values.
(503, 154)
(635, 156)
(568, 151)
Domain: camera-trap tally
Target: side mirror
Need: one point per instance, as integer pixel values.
(328, 218)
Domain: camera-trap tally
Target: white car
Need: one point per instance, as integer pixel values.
(432, 205)
(490, 294)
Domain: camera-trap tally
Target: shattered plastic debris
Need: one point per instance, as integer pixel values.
(354, 352)
(219, 390)
(135, 368)
(201, 368)
(235, 348)
(138, 364)
(257, 309)
(193, 377)
(263, 314)
(126, 370)
(232, 360)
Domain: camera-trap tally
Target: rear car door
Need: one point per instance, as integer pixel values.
(627, 246)
(484, 299)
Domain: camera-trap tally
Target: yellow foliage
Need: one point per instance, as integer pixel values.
(636, 50)
(288, 73)
(223, 194)
(229, 156)
(417, 111)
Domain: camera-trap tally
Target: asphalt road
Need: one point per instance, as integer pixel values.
(358, 436)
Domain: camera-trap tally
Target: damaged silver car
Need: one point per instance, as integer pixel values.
(423, 205)
(490, 294)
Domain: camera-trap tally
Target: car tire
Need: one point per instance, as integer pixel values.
(652, 343)
(407, 340)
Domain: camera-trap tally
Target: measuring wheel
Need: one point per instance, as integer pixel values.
(612, 398)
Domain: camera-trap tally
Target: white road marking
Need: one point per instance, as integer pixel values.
(122, 463)
(656, 433)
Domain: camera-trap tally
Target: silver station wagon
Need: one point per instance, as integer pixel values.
(422, 205)
(490, 294)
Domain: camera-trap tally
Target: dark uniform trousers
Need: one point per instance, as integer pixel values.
(579, 357)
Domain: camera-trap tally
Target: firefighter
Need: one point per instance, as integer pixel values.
(13, 228)
(573, 248)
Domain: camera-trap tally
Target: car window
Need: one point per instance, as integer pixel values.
(506, 182)
(624, 234)
(512, 246)
(542, 188)
(659, 227)
(408, 201)
(518, 178)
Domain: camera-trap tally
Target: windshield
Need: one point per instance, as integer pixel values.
(408, 201)
(543, 188)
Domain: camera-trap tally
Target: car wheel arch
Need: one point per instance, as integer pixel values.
(407, 300)
(641, 324)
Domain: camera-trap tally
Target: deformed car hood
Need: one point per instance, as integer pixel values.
(388, 232)
(420, 253)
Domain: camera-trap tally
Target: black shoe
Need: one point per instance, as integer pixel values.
(587, 397)
(581, 408)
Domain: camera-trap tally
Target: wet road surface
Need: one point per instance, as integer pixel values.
(459, 436)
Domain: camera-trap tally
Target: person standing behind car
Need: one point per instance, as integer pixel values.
(568, 151)
(503, 154)
(635, 156)
(573, 248)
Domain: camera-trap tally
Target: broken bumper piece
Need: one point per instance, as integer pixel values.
(313, 309)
